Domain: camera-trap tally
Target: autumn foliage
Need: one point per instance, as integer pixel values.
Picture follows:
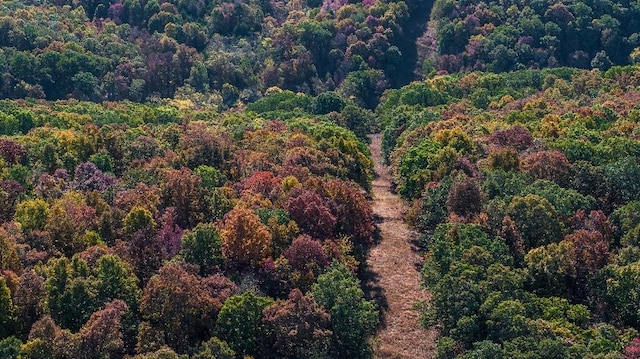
(159, 231)
(539, 230)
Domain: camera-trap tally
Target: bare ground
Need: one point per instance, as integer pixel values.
(393, 271)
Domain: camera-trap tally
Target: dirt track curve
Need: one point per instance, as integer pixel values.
(393, 267)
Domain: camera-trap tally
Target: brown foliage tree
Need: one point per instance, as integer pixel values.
(464, 198)
(550, 165)
(311, 214)
(299, 327)
(180, 307)
(245, 240)
(182, 189)
(28, 299)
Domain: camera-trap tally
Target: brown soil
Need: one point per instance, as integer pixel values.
(393, 267)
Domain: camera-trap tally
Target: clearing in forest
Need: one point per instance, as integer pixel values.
(392, 265)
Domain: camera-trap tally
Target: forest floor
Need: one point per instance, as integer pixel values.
(393, 272)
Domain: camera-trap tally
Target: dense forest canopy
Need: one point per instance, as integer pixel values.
(525, 189)
(502, 36)
(129, 228)
(191, 178)
(224, 50)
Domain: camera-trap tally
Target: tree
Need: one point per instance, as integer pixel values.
(68, 220)
(311, 214)
(353, 318)
(10, 347)
(240, 323)
(12, 152)
(413, 168)
(8, 252)
(536, 219)
(457, 242)
(182, 190)
(358, 120)
(307, 260)
(29, 300)
(203, 247)
(179, 306)
(9, 125)
(138, 219)
(329, 101)
(508, 320)
(70, 293)
(464, 199)
(349, 206)
(549, 165)
(215, 348)
(145, 253)
(101, 336)
(32, 214)
(433, 205)
(515, 137)
(245, 240)
(365, 86)
(114, 279)
(7, 310)
(298, 327)
(566, 201)
(550, 272)
(616, 286)
(199, 146)
(162, 353)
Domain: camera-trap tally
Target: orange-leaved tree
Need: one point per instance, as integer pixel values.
(245, 240)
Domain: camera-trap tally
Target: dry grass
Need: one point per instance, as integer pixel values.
(392, 265)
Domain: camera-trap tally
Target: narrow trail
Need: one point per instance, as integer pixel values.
(412, 30)
(393, 267)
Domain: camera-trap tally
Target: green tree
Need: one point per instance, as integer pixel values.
(215, 348)
(353, 318)
(70, 293)
(9, 125)
(138, 218)
(32, 214)
(114, 279)
(536, 219)
(203, 247)
(7, 310)
(10, 347)
(240, 322)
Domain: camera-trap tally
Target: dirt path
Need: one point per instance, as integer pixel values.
(393, 266)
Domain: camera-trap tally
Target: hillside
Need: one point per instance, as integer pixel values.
(524, 188)
(199, 179)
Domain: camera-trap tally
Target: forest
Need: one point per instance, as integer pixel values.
(524, 187)
(192, 178)
(133, 228)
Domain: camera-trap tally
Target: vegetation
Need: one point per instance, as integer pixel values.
(219, 52)
(145, 230)
(190, 178)
(502, 36)
(523, 187)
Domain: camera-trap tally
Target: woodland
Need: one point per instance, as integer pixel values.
(191, 178)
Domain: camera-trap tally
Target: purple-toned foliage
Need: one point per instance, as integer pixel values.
(88, 177)
(11, 152)
(311, 214)
(306, 253)
(169, 234)
(516, 137)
